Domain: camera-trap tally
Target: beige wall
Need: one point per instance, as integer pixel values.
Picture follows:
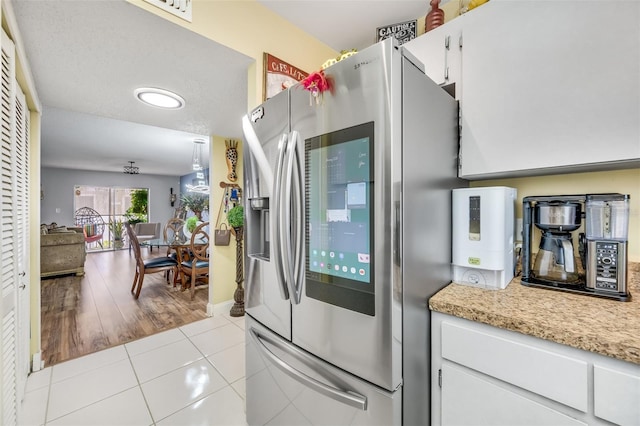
(34, 230)
(622, 181)
(223, 269)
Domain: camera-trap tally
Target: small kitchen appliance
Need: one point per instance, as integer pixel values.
(483, 228)
(597, 224)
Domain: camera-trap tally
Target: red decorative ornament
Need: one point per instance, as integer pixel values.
(316, 83)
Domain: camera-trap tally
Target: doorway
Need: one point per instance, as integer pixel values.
(114, 206)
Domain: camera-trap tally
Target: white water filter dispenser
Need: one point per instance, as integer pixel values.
(483, 236)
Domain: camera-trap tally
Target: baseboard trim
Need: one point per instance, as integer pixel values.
(219, 308)
(37, 363)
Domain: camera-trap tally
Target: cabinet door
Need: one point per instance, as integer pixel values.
(440, 52)
(617, 394)
(550, 85)
(470, 399)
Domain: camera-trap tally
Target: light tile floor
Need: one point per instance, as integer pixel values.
(192, 375)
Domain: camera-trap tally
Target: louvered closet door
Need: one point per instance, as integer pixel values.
(8, 249)
(21, 220)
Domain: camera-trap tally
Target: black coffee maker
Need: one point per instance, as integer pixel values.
(601, 266)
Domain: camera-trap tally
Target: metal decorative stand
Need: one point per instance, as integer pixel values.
(237, 310)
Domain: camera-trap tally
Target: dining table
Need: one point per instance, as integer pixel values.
(179, 246)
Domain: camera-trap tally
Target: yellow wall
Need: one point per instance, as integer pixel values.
(34, 230)
(223, 269)
(622, 181)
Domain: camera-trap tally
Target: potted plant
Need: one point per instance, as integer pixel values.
(235, 217)
(196, 203)
(117, 231)
(191, 224)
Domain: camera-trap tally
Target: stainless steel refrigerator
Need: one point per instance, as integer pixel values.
(348, 233)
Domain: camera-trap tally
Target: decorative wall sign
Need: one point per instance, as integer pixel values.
(403, 32)
(278, 76)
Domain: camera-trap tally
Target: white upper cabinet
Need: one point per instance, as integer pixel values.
(544, 87)
(550, 87)
(440, 52)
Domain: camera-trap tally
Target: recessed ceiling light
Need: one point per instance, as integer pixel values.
(159, 98)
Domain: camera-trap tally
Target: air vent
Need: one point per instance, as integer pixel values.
(181, 8)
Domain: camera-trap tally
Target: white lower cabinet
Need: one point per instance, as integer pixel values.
(484, 375)
(617, 395)
(472, 399)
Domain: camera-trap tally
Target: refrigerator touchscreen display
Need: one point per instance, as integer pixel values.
(339, 218)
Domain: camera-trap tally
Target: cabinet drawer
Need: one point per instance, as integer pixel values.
(471, 400)
(616, 395)
(543, 372)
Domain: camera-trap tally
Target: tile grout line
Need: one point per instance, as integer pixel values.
(46, 408)
(94, 402)
(144, 397)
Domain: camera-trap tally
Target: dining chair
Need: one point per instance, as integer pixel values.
(172, 231)
(196, 268)
(147, 266)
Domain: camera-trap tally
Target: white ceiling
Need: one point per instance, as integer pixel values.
(87, 57)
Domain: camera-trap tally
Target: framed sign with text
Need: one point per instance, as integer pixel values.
(403, 32)
(278, 76)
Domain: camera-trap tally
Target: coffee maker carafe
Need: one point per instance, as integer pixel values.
(555, 260)
(599, 269)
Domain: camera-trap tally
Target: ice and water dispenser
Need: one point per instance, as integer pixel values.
(257, 216)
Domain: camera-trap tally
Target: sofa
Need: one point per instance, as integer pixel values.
(62, 251)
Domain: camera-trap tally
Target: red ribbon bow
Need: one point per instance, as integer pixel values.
(316, 83)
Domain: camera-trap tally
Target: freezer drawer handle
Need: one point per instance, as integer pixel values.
(349, 398)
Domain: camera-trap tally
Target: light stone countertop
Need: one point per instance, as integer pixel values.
(603, 326)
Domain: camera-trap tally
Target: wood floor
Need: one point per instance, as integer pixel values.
(82, 315)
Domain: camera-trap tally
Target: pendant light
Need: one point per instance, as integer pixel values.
(196, 160)
(131, 169)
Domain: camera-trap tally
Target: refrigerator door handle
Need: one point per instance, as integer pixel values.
(299, 217)
(292, 234)
(348, 397)
(283, 219)
(256, 149)
(277, 216)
